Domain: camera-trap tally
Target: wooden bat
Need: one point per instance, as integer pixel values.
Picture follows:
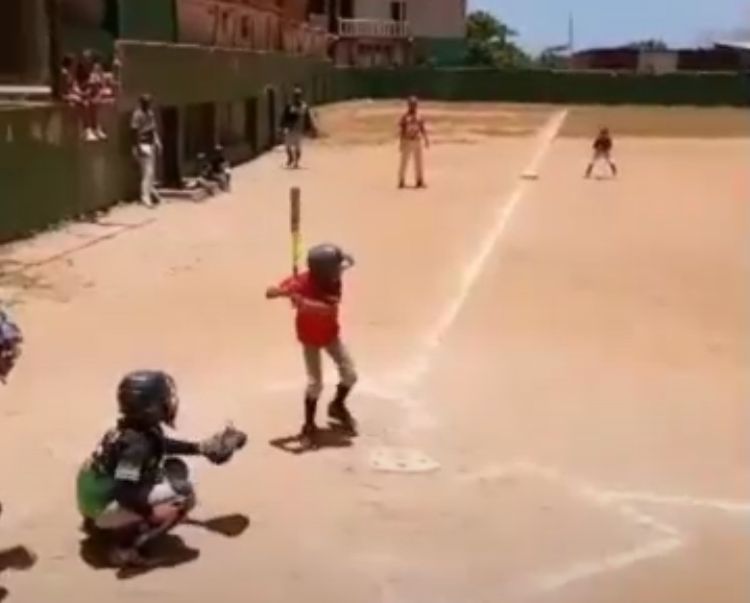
(295, 217)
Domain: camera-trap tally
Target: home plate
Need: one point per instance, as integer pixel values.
(402, 460)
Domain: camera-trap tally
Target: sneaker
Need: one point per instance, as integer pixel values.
(421, 184)
(100, 134)
(90, 136)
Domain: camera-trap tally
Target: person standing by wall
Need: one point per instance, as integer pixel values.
(295, 121)
(412, 134)
(146, 147)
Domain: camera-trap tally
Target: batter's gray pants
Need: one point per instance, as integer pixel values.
(314, 367)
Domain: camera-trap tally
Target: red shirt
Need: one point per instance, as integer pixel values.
(315, 327)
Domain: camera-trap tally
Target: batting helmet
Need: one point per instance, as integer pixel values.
(325, 263)
(148, 397)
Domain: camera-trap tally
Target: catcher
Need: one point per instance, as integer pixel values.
(10, 345)
(130, 491)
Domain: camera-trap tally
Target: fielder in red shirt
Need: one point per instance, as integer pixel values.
(602, 152)
(316, 296)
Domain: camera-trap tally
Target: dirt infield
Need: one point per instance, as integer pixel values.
(553, 397)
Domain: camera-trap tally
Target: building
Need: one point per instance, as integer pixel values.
(393, 32)
(658, 61)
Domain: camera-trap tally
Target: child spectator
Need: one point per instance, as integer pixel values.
(89, 83)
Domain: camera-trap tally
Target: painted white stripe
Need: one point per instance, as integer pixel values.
(420, 365)
(610, 563)
(728, 506)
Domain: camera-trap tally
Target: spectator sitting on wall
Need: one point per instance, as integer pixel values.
(89, 83)
(71, 93)
(112, 77)
(100, 83)
(69, 90)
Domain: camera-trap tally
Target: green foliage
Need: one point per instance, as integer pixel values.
(490, 43)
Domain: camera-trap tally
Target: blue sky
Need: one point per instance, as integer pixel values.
(543, 23)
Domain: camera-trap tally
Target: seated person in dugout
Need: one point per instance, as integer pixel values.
(214, 171)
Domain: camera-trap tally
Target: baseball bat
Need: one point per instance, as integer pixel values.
(295, 217)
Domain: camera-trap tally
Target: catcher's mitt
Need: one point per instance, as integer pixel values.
(220, 447)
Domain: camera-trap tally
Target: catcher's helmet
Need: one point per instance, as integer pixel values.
(10, 345)
(149, 397)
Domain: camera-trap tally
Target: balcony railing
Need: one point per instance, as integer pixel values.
(373, 28)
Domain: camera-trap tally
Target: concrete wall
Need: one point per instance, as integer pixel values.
(48, 173)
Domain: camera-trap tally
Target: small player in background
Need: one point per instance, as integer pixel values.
(316, 296)
(602, 152)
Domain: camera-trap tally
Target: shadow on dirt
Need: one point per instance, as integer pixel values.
(230, 526)
(166, 552)
(328, 437)
(17, 558)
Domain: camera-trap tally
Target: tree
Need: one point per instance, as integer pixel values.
(490, 42)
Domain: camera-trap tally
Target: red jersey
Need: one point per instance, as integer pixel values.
(315, 327)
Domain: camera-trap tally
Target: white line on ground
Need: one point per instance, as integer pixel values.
(727, 506)
(610, 563)
(416, 369)
(669, 537)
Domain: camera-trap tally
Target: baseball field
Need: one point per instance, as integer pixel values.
(553, 394)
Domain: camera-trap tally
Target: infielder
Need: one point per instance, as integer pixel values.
(412, 134)
(602, 152)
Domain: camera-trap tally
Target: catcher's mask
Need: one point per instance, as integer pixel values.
(10, 345)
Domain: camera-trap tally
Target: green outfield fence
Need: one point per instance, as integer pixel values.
(700, 89)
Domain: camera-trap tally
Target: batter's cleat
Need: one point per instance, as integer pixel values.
(340, 414)
(401, 185)
(309, 435)
(421, 184)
